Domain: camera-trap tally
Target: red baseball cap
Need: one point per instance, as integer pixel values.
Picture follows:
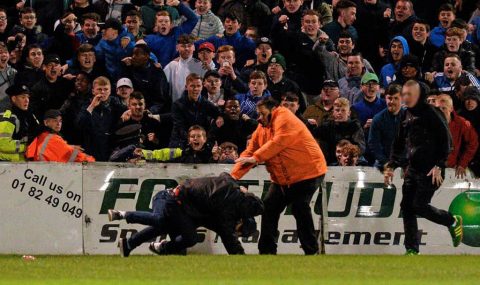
(207, 45)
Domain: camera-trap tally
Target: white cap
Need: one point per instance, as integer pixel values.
(124, 82)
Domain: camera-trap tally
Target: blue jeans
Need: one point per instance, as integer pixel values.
(168, 217)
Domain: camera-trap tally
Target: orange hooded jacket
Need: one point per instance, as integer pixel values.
(52, 147)
(288, 149)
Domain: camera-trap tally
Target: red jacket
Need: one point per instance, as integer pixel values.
(465, 142)
(52, 147)
(288, 149)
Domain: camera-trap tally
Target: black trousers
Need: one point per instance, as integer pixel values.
(417, 193)
(278, 197)
(168, 217)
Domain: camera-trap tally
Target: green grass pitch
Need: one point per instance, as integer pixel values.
(202, 269)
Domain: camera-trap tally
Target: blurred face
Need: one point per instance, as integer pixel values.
(251, 34)
(139, 57)
(355, 65)
(133, 24)
(21, 101)
(432, 100)
(81, 3)
(212, 84)
(419, 32)
(409, 72)
(330, 94)
(263, 53)
(396, 50)
(197, 139)
(51, 70)
(86, 60)
(348, 159)
(257, 86)
(231, 26)
(372, 2)
(194, 88)
(338, 153)
(226, 56)
(453, 43)
(228, 152)
(81, 83)
(403, 11)
(471, 104)
(28, 20)
(4, 57)
(452, 68)
(35, 57)
(341, 114)
(264, 115)
(206, 55)
(371, 89)
(103, 90)
(292, 106)
(446, 18)
(124, 92)
(292, 6)
(275, 71)
(110, 34)
(310, 25)
(394, 103)
(90, 28)
(349, 15)
(410, 95)
(185, 50)
(232, 109)
(445, 107)
(54, 124)
(203, 6)
(345, 46)
(163, 25)
(3, 21)
(70, 23)
(137, 107)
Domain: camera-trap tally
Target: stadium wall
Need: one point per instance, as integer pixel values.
(50, 208)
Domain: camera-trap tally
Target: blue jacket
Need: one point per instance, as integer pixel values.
(367, 110)
(248, 103)
(82, 39)
(244, 47)
(111, 52)
(388, 71)
(383, 130)
(443, 84)
(437, 36)
(165, 47)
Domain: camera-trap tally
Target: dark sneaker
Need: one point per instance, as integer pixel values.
(114, 215)
(123, 245)
(411, 252)
(457, 231)
(156, 247)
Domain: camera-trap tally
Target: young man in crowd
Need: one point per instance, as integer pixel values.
(446, 15)
(85, 61)
(398, 49)
(133, 22)
(403, 18)
(322, 110)
(27, 26)
(212, 88)
(263, 53)
(7, 76)
(90, 30)
(453, 45)
(153, 8)
(346, 11)
(369, 102)
(124, 90)
(49, 145)
(351, 83)
(258, 91)
(206, 54)
(231, 81)
(209, 24)
(420, 44)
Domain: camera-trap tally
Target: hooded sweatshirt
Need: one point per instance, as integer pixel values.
(388, 71)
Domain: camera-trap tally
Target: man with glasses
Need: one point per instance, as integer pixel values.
(27, 26)
(3, 25)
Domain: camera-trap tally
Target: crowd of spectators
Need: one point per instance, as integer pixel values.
(170, 80)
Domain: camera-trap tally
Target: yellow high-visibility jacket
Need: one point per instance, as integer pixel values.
(164, 154)
(11, 149)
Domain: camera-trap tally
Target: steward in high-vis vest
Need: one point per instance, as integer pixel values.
(50, 146)
(16, 124)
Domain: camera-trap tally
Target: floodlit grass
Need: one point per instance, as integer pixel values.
(200, 269)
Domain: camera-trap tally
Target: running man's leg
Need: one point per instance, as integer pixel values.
(274, 203)
(301, 195)
(410, 226)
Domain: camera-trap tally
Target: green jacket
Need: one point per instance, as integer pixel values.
(164, 154)
(150, 10)
(11, 149)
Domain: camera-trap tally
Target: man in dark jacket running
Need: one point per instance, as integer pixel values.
(423, 134)
(217, 203)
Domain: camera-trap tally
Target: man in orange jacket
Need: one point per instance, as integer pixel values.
(50, 146)
(297, 167)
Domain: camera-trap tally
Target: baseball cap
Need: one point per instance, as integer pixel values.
(52, 114)
(330, 83)
(51, 58)
(263, 40)
(368, 76)
(17, 89)
(124, 82)
(278, 59)
(206, 46)
(410, 60)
